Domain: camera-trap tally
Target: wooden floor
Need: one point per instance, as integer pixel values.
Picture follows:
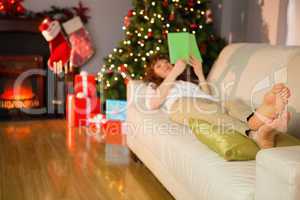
(42, 160)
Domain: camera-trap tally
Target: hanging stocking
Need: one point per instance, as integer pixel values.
(79, 37)
(58, 44)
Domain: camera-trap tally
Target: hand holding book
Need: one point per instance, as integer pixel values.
(182, 46)
(197, 65)
(179, 67)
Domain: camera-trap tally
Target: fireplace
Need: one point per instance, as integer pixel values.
(18, 89)
(26, 85)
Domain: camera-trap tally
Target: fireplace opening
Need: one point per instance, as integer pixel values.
(19, 91)
(18, 96)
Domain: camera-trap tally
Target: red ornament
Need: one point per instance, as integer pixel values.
(193, 26)
(172, 16)
(150, 34)
(123, 68)
(165, 3)
(2, 7)
(20, 9)
(110, 72)
(130, 13)
(126, 21)
(191, 3)
(81, 11)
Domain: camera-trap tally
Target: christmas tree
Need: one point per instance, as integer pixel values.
(146, 28)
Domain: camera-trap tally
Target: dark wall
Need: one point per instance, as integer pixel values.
(23, 43)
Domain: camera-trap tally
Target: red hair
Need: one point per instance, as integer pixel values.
(152, 77)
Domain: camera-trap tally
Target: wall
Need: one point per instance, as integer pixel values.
(254, 20)
(263, 22)
(105, 25)
(293, 26)
(230, 19)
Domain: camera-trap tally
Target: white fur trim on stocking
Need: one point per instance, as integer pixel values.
(53, 30)
(73, 25)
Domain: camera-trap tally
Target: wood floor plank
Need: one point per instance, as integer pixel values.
(45, 160)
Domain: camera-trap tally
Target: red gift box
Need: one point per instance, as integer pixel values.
(85, 108)
(114, 133)
(85, 84)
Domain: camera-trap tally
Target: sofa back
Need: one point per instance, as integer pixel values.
(247, 71)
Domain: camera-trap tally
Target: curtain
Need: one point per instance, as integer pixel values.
(293, 23)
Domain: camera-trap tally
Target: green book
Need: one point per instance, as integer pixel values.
(182, 45)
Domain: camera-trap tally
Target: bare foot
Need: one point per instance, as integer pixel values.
(281, 123)
(275, 101)
(265, 135)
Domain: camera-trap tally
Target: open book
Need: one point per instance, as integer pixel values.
(182, 45)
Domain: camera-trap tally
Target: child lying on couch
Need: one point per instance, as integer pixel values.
(184, 100)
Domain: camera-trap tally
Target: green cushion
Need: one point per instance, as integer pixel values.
(283, 140)
(230, 144)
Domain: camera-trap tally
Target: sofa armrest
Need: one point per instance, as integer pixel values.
(278, 174)
(132, 88)
(135, 93)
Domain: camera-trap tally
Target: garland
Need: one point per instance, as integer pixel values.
(14, 9)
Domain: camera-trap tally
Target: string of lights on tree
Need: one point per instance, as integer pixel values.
(146, 28)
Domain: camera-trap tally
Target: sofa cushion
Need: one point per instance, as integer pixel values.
(228, 143)
(284, 140)
(231, 145)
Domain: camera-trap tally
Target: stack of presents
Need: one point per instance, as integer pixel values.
(83, 109)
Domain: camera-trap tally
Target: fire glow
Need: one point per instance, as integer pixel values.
(21, 97)
(21, 93)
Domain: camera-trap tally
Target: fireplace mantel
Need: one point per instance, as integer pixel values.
(19, 25)
(19, 64)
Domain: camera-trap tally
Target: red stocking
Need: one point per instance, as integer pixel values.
(58, 44)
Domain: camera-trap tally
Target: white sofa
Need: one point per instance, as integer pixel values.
(189, 169)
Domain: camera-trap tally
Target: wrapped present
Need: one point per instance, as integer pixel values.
(116, 110)
(95, 125)
(96, 121)
(85, 108)
(114, 132)
(85, 84)
(70, 110)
